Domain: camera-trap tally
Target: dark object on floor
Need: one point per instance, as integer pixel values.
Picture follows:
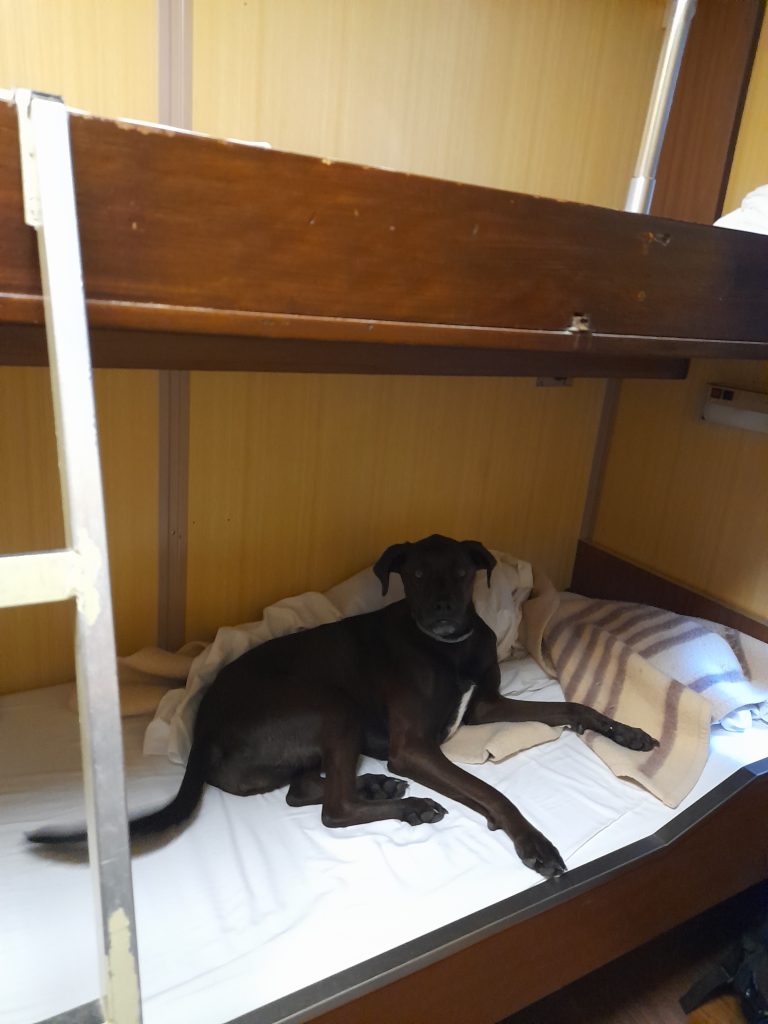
(743, 971)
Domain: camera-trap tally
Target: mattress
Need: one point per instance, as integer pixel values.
(255, 900)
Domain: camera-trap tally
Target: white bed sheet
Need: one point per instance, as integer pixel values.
(256, 899)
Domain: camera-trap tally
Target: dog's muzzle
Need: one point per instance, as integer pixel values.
(444, 628)
(445, 631)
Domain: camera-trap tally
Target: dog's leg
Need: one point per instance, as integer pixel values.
(489, 708)
(309, 788)
(306, 789)
(343, 803)
(424, 762)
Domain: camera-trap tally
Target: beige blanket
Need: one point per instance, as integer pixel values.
(669, 674)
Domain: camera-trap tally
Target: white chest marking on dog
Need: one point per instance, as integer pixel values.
(460, 713)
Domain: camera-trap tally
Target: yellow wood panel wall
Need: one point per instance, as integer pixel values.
(750, 160)
(37, 642)
(101, 57)
(298, 481)
(546, 97)
(687, 498)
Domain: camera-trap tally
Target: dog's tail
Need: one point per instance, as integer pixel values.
(175, 813)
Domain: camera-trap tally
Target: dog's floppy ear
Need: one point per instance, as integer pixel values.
(391, 561)
(481, 556)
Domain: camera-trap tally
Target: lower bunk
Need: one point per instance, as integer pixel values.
(256, 912)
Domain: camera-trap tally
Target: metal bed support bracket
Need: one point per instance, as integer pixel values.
(81, 571)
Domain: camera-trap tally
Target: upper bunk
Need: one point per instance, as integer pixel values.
(202, 253)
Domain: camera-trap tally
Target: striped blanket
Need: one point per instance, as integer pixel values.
(669, 674)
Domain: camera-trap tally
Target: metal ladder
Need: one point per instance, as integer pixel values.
(81, 570)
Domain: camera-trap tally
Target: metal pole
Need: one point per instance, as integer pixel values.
(49, 205)
(175, 54)
(638, 200)
(642, 184)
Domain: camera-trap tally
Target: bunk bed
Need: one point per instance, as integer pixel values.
(208, 254)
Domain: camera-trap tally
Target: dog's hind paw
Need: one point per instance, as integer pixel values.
(381, 787)
(537, 853)
(422, 810)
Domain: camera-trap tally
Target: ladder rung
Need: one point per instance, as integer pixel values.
(39, 578)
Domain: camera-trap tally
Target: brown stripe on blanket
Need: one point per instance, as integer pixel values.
(617, 683)
(703, 683)
(590, 638)
(615, 615)
(584, 611)
(601, 672)
(655, 630)
(694, 633)
(585, 638)
(655, 760)
(603, 641)
(634, 616)
(562, 657)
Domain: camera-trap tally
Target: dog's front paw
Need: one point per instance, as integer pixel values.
(625, 735)
(628, 736)
(537, 853)
(422, 810)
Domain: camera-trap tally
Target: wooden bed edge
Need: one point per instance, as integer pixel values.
(600, 573)
(316, 245)
(129, 319)
(24, 345)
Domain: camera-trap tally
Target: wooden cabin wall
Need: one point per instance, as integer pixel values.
(297, 481)
(682, 497)
(102, 57)
(547, 98)
(685, 498)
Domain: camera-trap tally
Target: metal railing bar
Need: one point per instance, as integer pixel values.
(39, 577)
(49, 204)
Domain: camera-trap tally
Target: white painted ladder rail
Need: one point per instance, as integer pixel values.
(81, 571)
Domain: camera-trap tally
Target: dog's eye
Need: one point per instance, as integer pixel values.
(418, 573)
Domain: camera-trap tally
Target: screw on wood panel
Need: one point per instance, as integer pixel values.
(580, 324)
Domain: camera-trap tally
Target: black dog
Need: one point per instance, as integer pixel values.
(392, 684)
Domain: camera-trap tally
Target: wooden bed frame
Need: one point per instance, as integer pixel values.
(331, 267)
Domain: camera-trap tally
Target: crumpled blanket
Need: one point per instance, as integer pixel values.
(500, 606)
(668, 674)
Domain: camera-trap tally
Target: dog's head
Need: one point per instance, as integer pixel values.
(438, 576)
